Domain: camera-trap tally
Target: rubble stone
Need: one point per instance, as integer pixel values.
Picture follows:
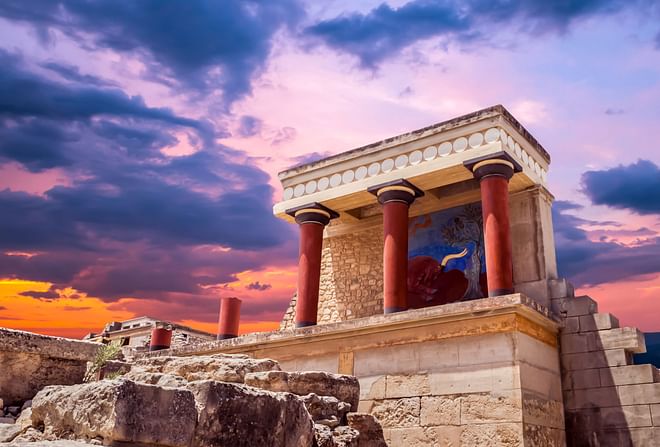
(344, 388)
(219, 367)
(238, 415)
(117, 410)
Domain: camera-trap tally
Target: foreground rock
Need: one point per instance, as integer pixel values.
(117, 410)
(239, 415)
(344, 388)
(176, 402)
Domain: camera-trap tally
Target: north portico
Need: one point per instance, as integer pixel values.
(427, 270)
(485, 158)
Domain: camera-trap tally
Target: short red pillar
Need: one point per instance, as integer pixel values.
(311, 220)
(230, 316)
(161, 338)
(396, 198)
(493, 174)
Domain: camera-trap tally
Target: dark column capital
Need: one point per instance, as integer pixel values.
(396, 191)
(312, 213)
(499, 164)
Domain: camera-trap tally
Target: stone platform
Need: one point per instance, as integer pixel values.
(482, 372)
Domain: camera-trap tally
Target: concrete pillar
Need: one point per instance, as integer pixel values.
(161, 338)
(395, 197)
(311, 220)
(230, 316)
(493, 173)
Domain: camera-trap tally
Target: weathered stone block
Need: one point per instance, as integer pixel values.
(570, 325)
(655, 414)
(471, 380)
(597, 322)
(540, 411)
(407, 385)
(630, 339)
(436, 355)
(540, 381)
(486, 349)
(543, 436)
(596, 359)
(425, 437)
(581, 378)
(370, 430)
(117, 410)
(648, 393)
(501, 406)
(491, 435)
(626, 375)
(372, 387)
(345, 388)
(241, 416)
(440, 410)
(397, 412)
(574, 307)
(220, 367)
(577, 342)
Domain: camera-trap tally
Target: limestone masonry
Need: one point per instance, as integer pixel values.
(428, 312)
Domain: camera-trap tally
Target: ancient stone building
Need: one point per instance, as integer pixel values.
(427, 269)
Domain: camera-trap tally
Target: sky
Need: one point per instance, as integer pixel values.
(140, 141)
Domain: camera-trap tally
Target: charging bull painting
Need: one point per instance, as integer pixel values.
(446, 257)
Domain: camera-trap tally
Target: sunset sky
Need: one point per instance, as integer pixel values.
(140, 140)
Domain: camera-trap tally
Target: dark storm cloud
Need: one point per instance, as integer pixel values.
(249, 126)
(130, 221)
(586, 262)
(258, 286)
(635, 187)
(24, 94)
(385, 30)
(203, 44)
(72, 73)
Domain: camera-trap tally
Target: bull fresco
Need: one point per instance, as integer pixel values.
(446, 257)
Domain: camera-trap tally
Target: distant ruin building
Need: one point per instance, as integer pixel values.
(136, 333)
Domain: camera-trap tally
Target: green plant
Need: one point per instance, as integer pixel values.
(104, 354)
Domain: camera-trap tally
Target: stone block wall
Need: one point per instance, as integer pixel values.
(351, 278)
(476, 373)
(608, 400)
(471, 391)
(29, 362)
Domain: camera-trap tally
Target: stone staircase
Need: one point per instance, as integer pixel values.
(608, 400)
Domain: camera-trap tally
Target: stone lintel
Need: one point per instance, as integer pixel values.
(508, 313)
(430, 158)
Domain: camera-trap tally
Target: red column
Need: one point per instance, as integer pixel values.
(396, 198)
(494, 175)
(230, 316)
(161, 338)
(311, 220)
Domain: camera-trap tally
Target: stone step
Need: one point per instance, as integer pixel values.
(574, 307)
(613, 396)
(595, 359)
(627, 375)
(597, 322)
(630, 339)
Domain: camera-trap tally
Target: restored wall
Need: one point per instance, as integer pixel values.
(28, 362)
(352, 263)
(476, 373)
